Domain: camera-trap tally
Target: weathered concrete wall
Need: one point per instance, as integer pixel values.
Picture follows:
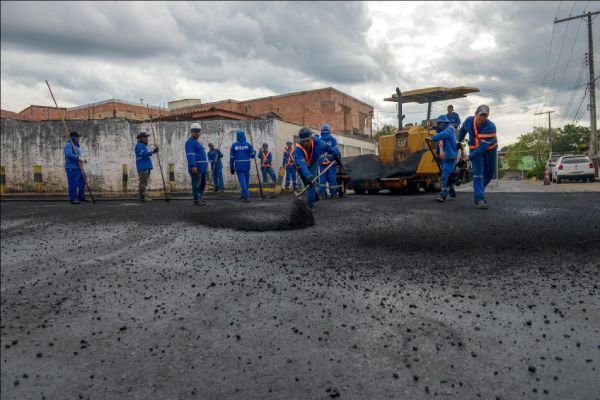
(109, 143)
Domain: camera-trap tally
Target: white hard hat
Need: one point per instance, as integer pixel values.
(196, 126)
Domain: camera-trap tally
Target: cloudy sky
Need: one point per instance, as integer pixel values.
(92, 51)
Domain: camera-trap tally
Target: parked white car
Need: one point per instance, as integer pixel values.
(573, 168)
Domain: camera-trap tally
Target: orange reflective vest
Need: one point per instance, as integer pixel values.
(264, 157)
(290, 159)
(307, 159)
(479, 136)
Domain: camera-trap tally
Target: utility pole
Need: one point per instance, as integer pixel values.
(594, 140)
(549, 131)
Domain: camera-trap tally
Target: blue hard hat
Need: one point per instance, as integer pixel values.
(74, 134)
(325, 129)
(304, 134)
(288, 142)
(142, 133)
(265, 144)
(443, 118)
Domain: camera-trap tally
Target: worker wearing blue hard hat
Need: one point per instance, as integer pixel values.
(330, 176)
(239, 162)
(75, 178)
(445, 139)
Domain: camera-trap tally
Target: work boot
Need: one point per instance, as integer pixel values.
(199, 203)
(246, 200)
(84, 201)
(481, 205)
(145, 199)
(440, 199)
(75, 202)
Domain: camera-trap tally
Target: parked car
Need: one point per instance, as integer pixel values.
(551, 163)
(573, 168)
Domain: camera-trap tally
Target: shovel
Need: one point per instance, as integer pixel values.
(301, 215)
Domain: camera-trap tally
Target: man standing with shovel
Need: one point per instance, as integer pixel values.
(214, 157)
(143, 163)
(197, 163)
(446, 153)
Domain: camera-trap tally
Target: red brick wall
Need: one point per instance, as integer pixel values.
(40, 113)
(313, 109)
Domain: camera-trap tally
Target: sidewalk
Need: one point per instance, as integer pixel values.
(528, 186)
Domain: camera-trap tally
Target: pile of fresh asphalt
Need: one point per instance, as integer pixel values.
(282, 214)
(370, 167)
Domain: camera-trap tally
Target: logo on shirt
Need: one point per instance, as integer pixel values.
(238, 147)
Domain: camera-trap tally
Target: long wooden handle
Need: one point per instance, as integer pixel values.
(315, 178)
(72, 143)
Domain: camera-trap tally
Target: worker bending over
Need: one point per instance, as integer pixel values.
(216, 165)
(75, 178)
(446, 153)
(290, 166)
(143, 163)
(266, 160)
(307, 154)
(324, 160)
(197, 163)
(483, 145)
(239, 162)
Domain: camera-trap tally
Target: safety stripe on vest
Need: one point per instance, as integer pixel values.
(483, 135)
(312, 148)
(290, 157)
(264, 159)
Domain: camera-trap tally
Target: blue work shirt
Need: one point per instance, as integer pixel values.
(288, 157)
(481, 138)
(326, 158)
(308, 159)
(196, 156)
(143, 157)
(454, 118)
(214, 157)
(446, 143)
(266, 159)
(240, 154)
(72, 155)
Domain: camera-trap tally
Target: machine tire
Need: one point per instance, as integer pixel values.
(373, 191)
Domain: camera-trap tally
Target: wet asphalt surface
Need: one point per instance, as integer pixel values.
(385, 297)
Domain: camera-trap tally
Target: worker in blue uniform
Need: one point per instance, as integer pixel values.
(197, 163)
(216, 166)
(266, 162)
(143, 163)
(239, 162)
(290, 166)
(453, 117)
(75, 178)
(445, 139)
(307, 154)
(483, 146)
(324, 160)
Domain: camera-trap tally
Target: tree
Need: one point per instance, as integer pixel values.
(385, 130)
(569, 139)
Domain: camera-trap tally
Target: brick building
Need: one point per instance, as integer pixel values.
(345, 114)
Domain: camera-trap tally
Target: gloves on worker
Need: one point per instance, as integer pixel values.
(307, 180)
(194, 170)
(338, 161)
(155, 150)
(82, 160)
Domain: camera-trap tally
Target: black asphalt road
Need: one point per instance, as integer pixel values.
(386, 297)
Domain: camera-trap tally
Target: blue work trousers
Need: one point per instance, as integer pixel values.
(270, 172)
(244, 180)
(447, 168)
(217, 175)
(198, 185)
(328, 177)
(484, 168)
(311, 192)
(76, 184)
(290, 175)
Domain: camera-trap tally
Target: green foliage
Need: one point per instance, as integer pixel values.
(569, 139)
(385, 130)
